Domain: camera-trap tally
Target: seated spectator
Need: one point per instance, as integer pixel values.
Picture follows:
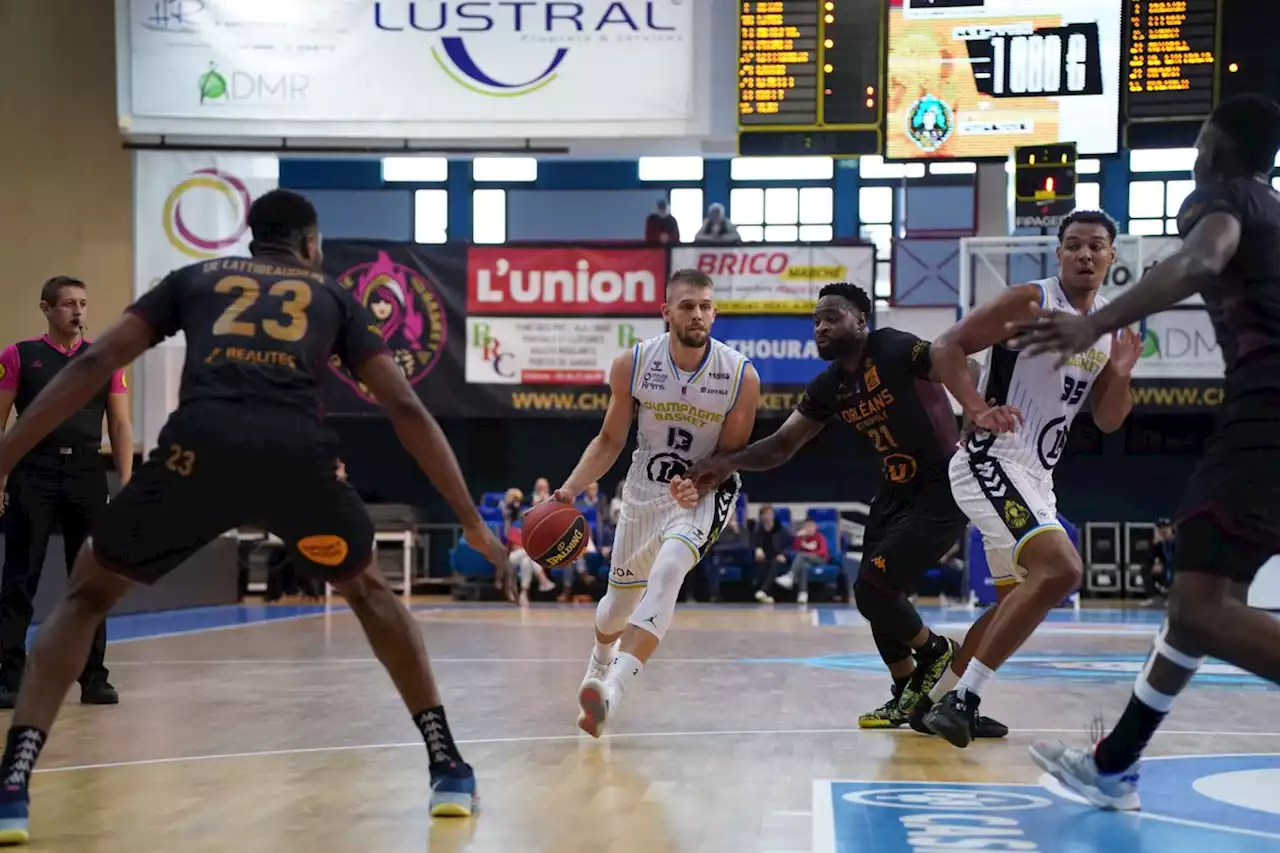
(511, 510)
(660, 226)
(593, 498)
(541, 491)
(811, 551)
(578, 580)
(1156, 568)
(771, 541)
(732, 548)
(525, 567)
(717, 228)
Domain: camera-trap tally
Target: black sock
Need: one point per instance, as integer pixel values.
(1119, 750)
(900, 684)
(21, 751)
(441, 750)
(933, 648)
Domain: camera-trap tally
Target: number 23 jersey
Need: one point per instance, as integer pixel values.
(1049, 397)
(679, 414)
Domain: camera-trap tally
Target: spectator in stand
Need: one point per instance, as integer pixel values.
(541, 491)
(660, 226)
(524, 567)
(511, 510)
(1155, 571)
(733, 548)
(593, 498)
(811, 551)
(771, 541)
(717, 228)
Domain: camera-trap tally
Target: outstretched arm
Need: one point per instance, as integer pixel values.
(603, 450)
(985, 326)
(775, 449)
(73, 387)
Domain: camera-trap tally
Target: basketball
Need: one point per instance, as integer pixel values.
(555, 534)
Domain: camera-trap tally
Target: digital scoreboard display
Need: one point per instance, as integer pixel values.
(809, 76)
(975, 79)
(1170, 58)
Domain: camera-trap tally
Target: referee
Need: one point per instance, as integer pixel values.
(63, 480)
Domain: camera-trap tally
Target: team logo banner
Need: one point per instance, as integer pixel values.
(565, 280)
(760, 279)
(396, 68)
(552, 350)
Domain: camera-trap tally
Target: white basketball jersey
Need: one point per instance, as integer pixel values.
(1048, 397)
(679, 413)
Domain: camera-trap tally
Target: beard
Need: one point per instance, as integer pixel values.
(837, 348)
(694, 338)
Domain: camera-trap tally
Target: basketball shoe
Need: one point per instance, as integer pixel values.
(1079, 773)
(595, 699)
(453, 791)
(14, 827)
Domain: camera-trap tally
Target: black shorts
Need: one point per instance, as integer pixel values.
(219, 467)
(908, 534)
(1237, 481)
(1205, 543)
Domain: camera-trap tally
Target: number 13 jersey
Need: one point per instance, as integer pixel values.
(1049, 397)
(679, 413)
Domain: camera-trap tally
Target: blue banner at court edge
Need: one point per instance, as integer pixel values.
(781, 348)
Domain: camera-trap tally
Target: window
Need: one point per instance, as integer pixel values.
(671, 169)
(783, 214)
(1088, 196)
(1088, 167)
(686, 207)
(875, 208)
(1162, 160)
(1154, 205)
(954, 167)
(489, 216)
(504, 169)
(874, 166)
(422, 170)
(1275, 183)
(431, 216)
(782, 169)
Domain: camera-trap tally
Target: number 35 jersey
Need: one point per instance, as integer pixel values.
(679, 414)
(1049, 397)
(259, 331)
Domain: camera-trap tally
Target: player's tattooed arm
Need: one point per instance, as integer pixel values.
(603, 450)
(984, 327)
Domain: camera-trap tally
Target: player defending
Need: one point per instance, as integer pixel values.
(882, 383)
(1230, 519)
(246, 444)
(693, 395)
(1003, 479)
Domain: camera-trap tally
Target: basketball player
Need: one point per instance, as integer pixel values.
(1003, 479)
(1229, 524)
(692, 395)
(881, 383)
(246, 444)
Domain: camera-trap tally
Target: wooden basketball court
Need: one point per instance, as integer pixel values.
(274, 729)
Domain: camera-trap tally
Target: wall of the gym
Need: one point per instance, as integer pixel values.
(65, 206)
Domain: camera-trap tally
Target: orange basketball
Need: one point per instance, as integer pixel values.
(555, 534)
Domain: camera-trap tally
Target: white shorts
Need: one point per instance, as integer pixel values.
(1007, 503)
(644, 526)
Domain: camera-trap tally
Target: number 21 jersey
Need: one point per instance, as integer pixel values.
(679, 413)
(1049, 397)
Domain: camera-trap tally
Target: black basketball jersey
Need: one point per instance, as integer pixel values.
(259, 330)
(890, 402)
(1244, 301)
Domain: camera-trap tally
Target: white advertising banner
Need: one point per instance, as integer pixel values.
(406, 67)
(1180, 344)
(764, 279)
(550, 350)
(187, 207)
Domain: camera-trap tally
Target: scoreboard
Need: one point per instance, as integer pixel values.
(1170, 57)
(809, 76)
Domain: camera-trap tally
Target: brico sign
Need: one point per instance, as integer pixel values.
(565, 281)
(777, 279)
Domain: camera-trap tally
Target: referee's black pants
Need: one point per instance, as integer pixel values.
(44, 487)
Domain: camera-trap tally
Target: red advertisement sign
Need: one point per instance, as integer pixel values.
(570, 280)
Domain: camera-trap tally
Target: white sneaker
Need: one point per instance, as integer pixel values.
(763, 597)
(785, 581)
(1076, 770)
(595, 698)
(802, 598)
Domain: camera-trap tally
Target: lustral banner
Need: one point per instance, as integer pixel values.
(409, 68)
(767, 279)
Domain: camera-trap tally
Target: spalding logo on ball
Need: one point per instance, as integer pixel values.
(555, 534)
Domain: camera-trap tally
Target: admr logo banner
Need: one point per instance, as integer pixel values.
(1180, 344)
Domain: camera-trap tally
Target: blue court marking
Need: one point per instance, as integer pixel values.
(1138, 619)
(1192, 803)
(195, 620)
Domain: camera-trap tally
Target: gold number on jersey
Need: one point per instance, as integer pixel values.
(296, 299)
(882, 439)
(181, 462)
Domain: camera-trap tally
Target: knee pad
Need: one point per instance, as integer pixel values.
(891, 651)
(656, 609)
(615, 607)
(890, 614)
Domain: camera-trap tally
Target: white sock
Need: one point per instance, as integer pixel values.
(603, 652)
(976, 675)
(626, 669)
(945, 685)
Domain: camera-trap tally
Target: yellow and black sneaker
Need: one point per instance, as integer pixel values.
(928, 672)
(887, 716)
